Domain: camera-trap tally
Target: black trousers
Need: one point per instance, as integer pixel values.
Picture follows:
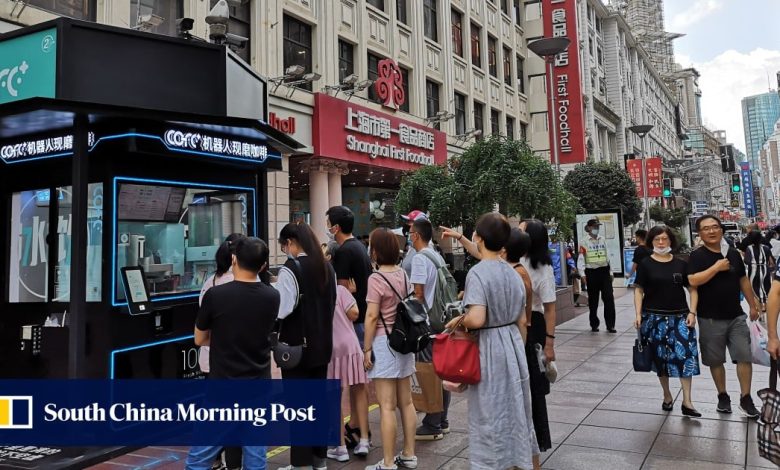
(304, 456)
(600, 283)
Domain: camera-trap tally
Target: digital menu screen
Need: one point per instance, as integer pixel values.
(150, 203)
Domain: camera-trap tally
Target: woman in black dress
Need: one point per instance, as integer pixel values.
(663, 317)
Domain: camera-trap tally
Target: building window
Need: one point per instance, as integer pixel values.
(297, 46)
(460, 114)
(600, 56)
(520, 75)
(240, 19)
(457, 33)
(346, 60)
(80, 9)
(432, 99)
(167, 10)
(533, 11)
(510, 127)
(518, 12)
(505, 7)
(429, 19)
(492, 59)
(494, 117)
(539, 122)
(507, 66)
(523, 131)
(401, 12)
(373, 74)
(479, 112)
(378, 4)
(476, 49)
(405, 86)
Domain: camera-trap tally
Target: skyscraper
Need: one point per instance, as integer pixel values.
(759, 115)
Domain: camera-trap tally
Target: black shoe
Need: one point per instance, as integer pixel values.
(747, 407)
(594, 329)
(612, 330)
(690, 412)
(667, 406)
(427, 433)
(351, 436)
(724, 403)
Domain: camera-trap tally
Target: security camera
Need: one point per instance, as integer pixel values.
(235, 41)
(185, 24)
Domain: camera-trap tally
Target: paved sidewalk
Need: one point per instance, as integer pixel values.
(602, 416)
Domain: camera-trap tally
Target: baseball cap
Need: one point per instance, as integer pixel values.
(593, 223)
(415, 215)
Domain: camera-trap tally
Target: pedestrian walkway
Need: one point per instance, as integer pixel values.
(603, 415)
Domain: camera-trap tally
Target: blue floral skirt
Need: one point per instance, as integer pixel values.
(675, 348)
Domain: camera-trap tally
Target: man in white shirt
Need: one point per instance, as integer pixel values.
(424, 278)
(406, 263)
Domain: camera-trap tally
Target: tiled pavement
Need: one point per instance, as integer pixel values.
(602, 416)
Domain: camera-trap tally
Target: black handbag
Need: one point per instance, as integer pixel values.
(643, 354)
(286, 356)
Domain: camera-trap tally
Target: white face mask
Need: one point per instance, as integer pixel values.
(331, 236)
(595, 232)
(662, 251)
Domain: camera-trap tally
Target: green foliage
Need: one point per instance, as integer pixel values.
(674, 218)
(599, 186)
(491, 172)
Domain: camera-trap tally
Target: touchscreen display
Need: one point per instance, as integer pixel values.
(136, 286)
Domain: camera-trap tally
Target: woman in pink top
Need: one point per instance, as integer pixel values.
(346, 362)
(389, 370)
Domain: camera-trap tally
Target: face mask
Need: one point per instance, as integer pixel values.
(331, 236)
(662, 251)
(595, 232)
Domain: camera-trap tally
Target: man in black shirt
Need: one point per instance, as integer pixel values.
(722, 323)
(235, 320)
(353, 267)
(641, 252)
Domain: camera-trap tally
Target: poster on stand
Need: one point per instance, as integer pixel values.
(611, 230)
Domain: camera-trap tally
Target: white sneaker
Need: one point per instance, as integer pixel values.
(406, 462)
(290, 467)
(362, 448)
(381, 466)
(340, 454)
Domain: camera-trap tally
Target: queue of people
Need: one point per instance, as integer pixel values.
(340, 302)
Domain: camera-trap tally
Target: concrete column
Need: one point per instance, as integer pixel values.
(318, 201)
(334, 189)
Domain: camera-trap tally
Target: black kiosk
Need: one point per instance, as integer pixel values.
(120, 149)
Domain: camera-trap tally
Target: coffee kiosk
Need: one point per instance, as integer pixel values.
(121, 153)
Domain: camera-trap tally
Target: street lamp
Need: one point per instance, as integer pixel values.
(642, 130)
(548, 48)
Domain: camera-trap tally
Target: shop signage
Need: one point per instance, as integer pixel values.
(28, 66)
(389, 85)
(347, 131)
(634, 168)
(653, 166)
(747, 189)
(560, 20)
(282, 125)
(195, 141)
(40, 148)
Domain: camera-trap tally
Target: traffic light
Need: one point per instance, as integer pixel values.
(736, 183)
(727, 158)
(667, 187)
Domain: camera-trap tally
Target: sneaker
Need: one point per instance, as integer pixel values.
(339, 454)
(747, 407)
(320, 464)
(291, 467)
(724, 403)
(362, 449)
(426, 433)
(381, 466)
(406, 462)
(445, 427)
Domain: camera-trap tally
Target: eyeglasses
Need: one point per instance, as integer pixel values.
(710, 228)
(661, 239)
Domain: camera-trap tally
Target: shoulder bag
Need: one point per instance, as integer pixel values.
(286, 356)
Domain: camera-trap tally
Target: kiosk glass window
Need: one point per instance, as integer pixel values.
(31, 226)
(173, 232)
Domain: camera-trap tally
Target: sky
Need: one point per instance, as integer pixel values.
(734, 44)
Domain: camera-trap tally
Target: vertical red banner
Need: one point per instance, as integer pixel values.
(560, 20)
(634, 169)
(654, 177)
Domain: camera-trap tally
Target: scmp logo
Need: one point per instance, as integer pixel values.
(16, 412)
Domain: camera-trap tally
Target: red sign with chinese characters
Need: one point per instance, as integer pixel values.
(560, 20)
(654, 177)
(389, 84)
(347, 131)
(634, 169)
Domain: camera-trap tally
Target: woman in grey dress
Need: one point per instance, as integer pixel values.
(501, 429)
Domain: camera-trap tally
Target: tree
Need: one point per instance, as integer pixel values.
(599, 186)
(675, 219)
(491, 173)
(417, 188)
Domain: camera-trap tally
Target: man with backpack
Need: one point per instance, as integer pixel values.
(434, 287)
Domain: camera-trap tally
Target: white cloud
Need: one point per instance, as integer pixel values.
(728, 78)
(696, 12)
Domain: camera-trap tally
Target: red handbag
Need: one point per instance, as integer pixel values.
(456, 355)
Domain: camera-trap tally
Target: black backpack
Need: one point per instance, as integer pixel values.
(411, 332)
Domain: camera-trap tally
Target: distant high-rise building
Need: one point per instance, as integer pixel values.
(759, 115)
